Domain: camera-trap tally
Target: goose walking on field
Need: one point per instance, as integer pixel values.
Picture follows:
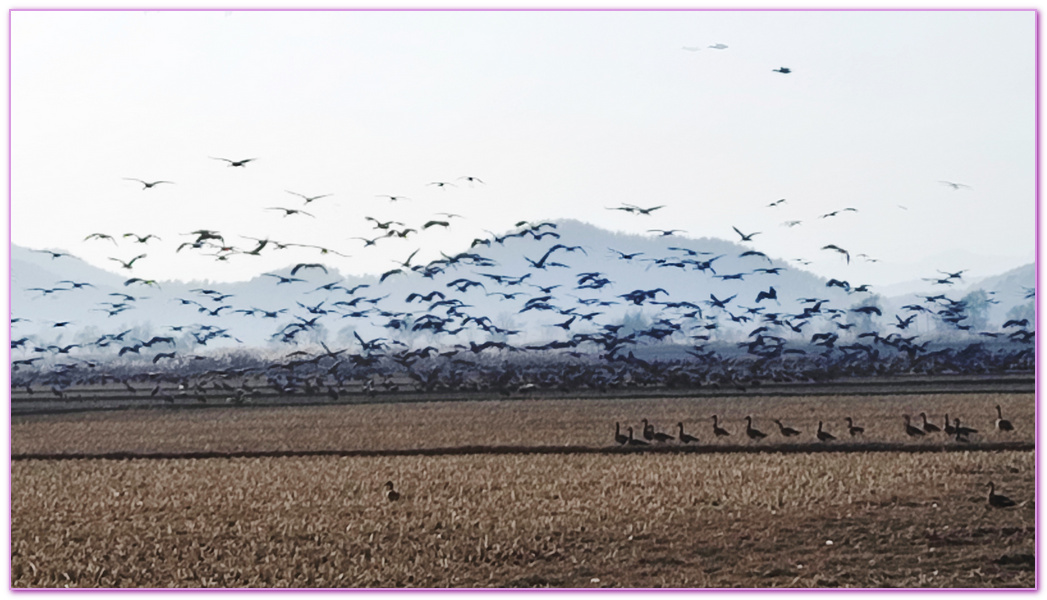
(1001, 423)
(949, 429)
(753, 433)
(929, 427)
(961, 430)
(619, 437)
(648, 431)
(911, 429)
(686, 439)
(719, 431)
(786, 431)
(824, 436)
(998, 500)
(852, 428)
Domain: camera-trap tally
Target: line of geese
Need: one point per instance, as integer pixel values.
(952, 428)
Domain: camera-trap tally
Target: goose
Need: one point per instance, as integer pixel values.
(719, 431)
(1001, 423)
(754, 434)
(687, 439)
(146, 184)
(929, 427)
(634, 442)
(235, 163)
(998, 500)
(949, 429)
(912, 430)
(786, 431)
(854, 429)
(390, 493)
(648, 431)
(824, 436)
(619, 437)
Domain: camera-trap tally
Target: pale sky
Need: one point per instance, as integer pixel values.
(561, 114)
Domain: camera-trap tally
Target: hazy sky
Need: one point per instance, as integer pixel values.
(561, 114)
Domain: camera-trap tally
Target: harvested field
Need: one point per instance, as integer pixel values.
(637, 520)
(520, 423)
(506, 514)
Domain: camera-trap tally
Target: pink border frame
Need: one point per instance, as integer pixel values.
(1036, 589)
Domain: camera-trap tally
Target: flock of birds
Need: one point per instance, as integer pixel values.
(435, 337)
(954, 429)
(469, 350)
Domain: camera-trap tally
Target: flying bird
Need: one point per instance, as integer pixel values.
(146, 184)
(783, 70)
(840, 250)
(235, 163)
(128, 264)
(745, 237)
(307, 199)
(291, 211)
(955, 186)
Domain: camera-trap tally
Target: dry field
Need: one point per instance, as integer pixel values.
(848, 519)
(521, 423)
(637, 520)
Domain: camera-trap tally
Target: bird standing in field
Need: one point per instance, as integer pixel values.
(391, 494)
(854, 429)
(911, 430)
(998, 500)
(1001, 423)
(824, 436)
(786, 431)
(685, 438)
(752, 432)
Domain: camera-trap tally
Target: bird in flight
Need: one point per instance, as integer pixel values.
(100, 236)
(128, 264)
(955, 186)
(471, 179)
(783, 70)
(745, 237)
(636, 209)
(665, 232)
(235, 163)
(776, 203)
(307, 199)
(840, 250)
(392, 198)
(719, 46)
(141, 239)
(146, 184)
(291, 211)
(442, 184)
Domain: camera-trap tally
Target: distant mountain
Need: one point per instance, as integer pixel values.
(596, 271)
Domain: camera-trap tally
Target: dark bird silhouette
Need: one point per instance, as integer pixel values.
(854, 429)
(717, 430)
(746, 237)
(998, 500)
(619, 437)
(824, 436)
(291, 211)
(100, 236)
(307, 199)
(146, 184)
(955, 186)
(929, 427)
(783, 70)
(235, 163)
(786, 431)
(301, 266)
(685, 438)
(391, 494)
(128, 264)
(667, 232)
(840, 250)
(911, 430)
(753, 433)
